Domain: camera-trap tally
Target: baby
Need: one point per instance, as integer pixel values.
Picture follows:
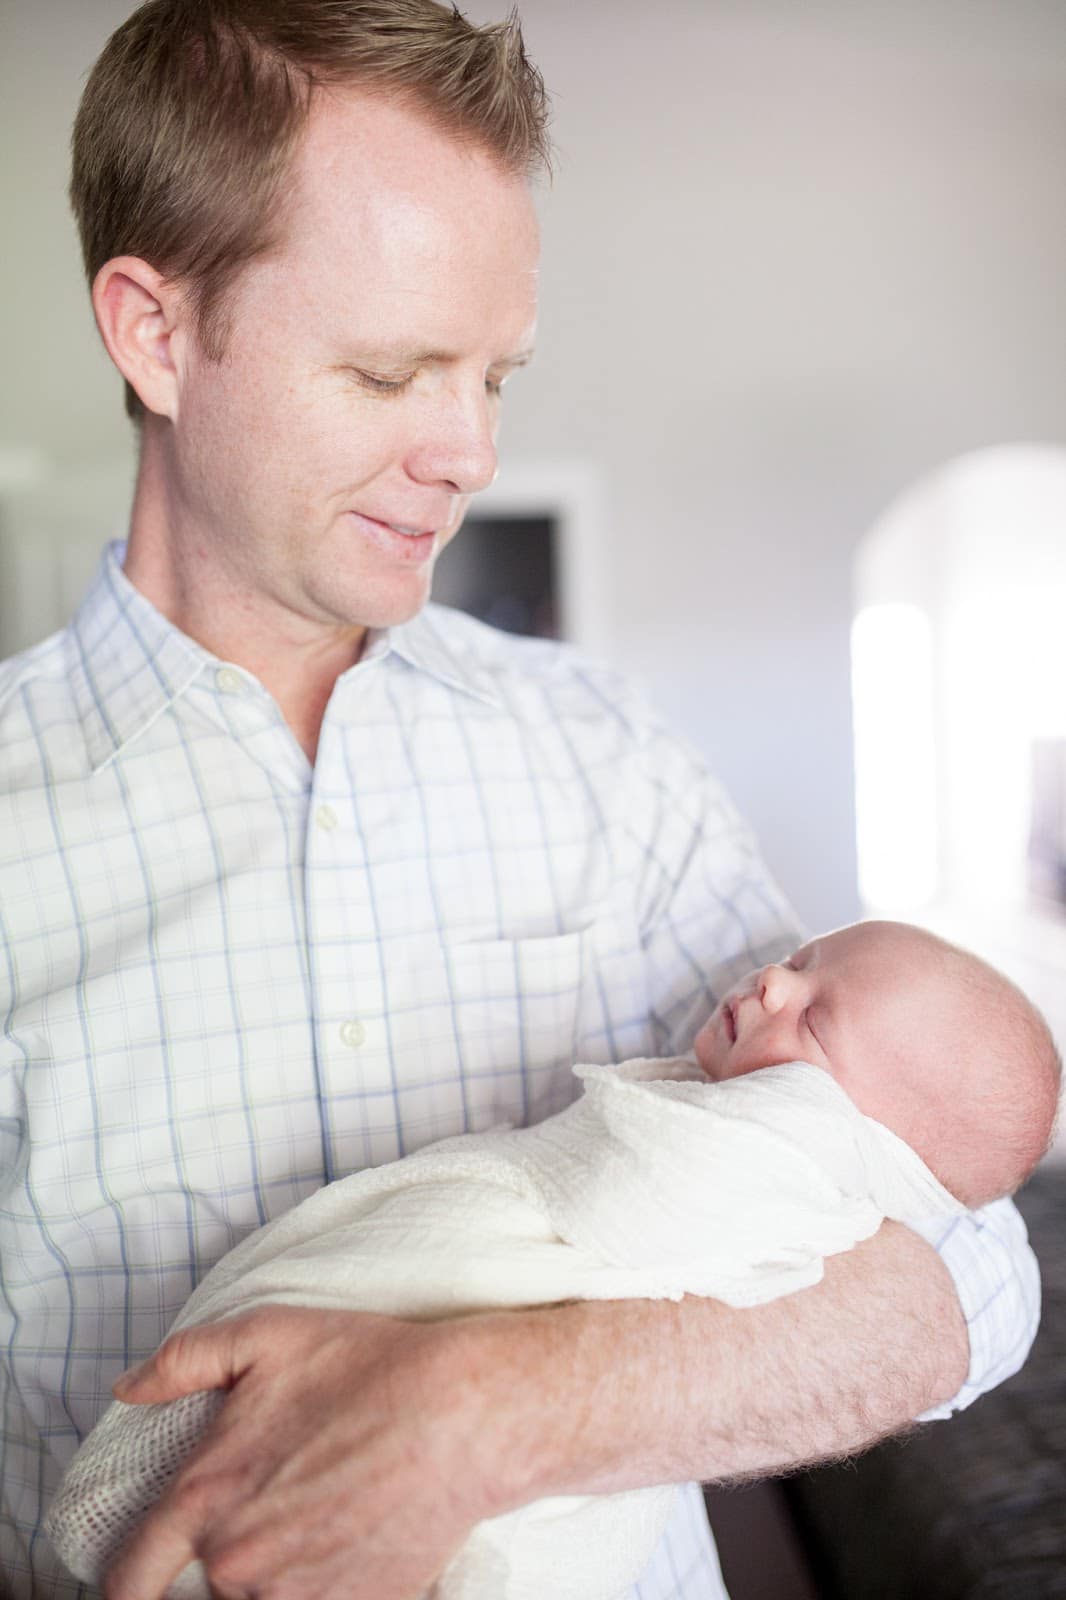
(922, 1036)
(876, 1072)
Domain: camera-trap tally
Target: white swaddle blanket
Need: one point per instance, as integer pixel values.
(654, 1184)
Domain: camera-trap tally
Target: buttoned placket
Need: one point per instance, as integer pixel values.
(352, 1066)
(353, 1061)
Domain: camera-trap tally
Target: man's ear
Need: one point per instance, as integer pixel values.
(141, 318)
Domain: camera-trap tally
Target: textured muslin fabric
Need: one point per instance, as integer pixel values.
(655, 1183)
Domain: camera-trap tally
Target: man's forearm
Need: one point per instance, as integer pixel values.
(640, 1392)
(356, 1451)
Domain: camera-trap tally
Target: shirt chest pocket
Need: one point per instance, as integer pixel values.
(501, 1017)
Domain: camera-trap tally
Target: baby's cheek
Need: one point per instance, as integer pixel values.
(704, 1048)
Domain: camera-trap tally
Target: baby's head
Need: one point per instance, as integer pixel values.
(922, 1036)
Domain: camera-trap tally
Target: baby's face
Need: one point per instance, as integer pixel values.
(844, 1002)
(772, 1015)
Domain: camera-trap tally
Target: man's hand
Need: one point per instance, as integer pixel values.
(345, 1462)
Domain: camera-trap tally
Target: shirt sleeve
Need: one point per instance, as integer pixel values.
(712, 911)
(997, 1280)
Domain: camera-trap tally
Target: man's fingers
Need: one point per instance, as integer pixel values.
(185, 1525)
(312, 1479)
(211, 1357)
(149, 1563)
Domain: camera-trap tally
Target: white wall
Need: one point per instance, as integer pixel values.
(795, 257)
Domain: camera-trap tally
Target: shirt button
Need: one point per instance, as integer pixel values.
(326, 818)
(229, 682)
(353, 1034)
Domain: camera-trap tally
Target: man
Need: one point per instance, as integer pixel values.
(297, 876)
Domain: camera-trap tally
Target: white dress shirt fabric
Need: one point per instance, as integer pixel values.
(227, 978)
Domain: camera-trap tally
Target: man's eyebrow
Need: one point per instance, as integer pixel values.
(402, 357)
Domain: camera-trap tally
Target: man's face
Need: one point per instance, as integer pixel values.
(314, 474)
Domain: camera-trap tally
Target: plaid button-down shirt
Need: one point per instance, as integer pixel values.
(227, 978)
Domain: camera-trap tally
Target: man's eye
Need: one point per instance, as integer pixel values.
(376, 385)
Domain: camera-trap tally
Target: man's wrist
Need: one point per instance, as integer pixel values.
(521, 1374)
(556, 1417)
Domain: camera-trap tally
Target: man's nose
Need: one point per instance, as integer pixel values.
(457, 450)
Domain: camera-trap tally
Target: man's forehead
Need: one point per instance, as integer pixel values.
(385, 212)
(378, 153)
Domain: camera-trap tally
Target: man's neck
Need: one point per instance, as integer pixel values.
(296, 659)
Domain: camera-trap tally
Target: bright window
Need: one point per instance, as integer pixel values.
(959, 671)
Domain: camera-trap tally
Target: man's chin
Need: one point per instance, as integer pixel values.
(375, 609)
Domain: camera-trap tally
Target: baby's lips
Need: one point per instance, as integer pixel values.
(729, 1021)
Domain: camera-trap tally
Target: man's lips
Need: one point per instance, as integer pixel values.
(402, 544)
(408, 530)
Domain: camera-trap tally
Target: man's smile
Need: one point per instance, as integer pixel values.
(403, 543)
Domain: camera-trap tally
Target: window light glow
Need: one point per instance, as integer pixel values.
(895, 756)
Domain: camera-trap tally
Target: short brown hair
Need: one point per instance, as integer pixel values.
(191, 115)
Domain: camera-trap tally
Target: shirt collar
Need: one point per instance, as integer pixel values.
(437, 641)
(129, 663)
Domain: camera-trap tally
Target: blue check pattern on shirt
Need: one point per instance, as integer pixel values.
(227, 978)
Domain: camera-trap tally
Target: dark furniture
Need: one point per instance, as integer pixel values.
(974, 1509)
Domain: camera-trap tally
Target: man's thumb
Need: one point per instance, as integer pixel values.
(196, 1358)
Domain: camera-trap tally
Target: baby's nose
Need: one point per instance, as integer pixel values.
(773, 986)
